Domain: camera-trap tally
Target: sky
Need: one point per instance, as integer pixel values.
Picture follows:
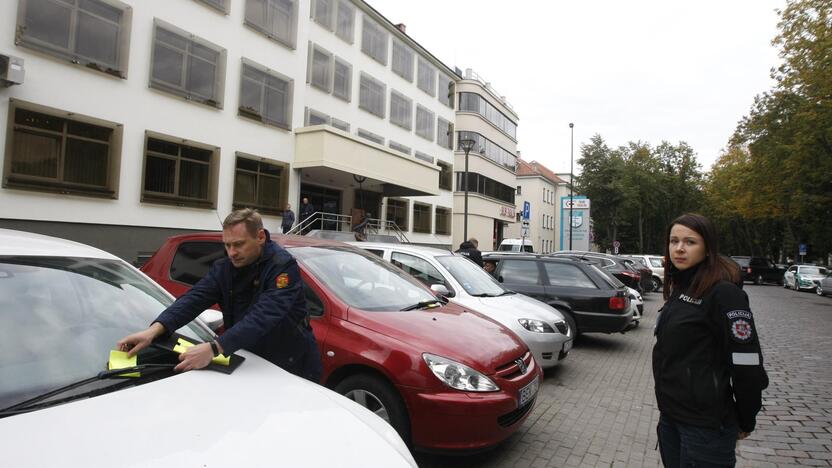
(632, 70)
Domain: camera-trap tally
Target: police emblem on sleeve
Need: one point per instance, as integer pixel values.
(739, 322)
(281, 281)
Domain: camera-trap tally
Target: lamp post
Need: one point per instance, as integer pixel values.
(571, 177)
(466, 145)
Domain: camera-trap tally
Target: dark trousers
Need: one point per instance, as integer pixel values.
(286, 229)
(683, 445)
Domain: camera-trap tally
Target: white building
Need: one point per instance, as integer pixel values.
(538, 185)
(140, 119)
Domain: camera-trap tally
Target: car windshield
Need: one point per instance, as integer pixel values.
(474, 280)
(62, 316)
(361, 279)
(743, 261)
(656, 262)
(811, 270)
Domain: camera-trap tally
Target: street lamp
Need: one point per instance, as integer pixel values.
(466, 145)
(571, 177)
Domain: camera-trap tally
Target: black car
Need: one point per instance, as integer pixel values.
(623, 269)
(759, 269)
(591, 300)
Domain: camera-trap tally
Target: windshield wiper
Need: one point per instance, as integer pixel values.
(424, 304)
(32, 403)
(507, 293)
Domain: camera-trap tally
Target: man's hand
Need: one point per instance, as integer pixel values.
(196, 357)
(138, 341)
(743, 435)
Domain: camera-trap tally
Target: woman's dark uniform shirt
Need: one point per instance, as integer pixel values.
(707, 363)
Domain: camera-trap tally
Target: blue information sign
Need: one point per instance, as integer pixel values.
(802, 249)
(527, 210)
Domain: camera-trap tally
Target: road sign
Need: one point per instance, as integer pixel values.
(802, 249)
(525, 223)
(524, 231)
(527, 210)
(615, 246)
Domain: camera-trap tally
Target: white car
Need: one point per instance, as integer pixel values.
(65, 305)
(543, 328)
(636, 305)
(800, 277)
(656, 264)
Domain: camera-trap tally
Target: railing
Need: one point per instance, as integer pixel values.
(343, 223)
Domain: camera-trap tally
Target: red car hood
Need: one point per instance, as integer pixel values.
(449, 331)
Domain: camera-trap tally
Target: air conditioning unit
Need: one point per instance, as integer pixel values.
(11, 70)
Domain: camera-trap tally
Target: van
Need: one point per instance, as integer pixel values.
(513, 245)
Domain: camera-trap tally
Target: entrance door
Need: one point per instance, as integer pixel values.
(324, 200)
(497, 237)
(368, 201)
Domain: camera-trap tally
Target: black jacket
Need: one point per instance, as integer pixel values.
(707, 363)
(467, 248)
(263, 310)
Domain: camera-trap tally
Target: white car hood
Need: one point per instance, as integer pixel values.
(258, 416)
(510, 307)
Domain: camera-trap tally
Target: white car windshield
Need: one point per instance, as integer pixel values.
(62, 316)
(361, 279)
(473, 279)
(811, 271)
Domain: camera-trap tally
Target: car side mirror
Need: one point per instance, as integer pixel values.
(212, 318)
(440, 289)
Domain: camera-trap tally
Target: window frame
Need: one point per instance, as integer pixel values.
(397, 204)
(424, 64)
(225, 8)
(53, 185)
(261, 117)
(182, 91)
(407, 75)
(449, 133)
(309, 113)
(395, 145)
(370, 136)
(283, 196)
(446, 175)
(337, 61)
(429, 117)
(447, 216)
(292, 36)
(427, 211)
(70, 53)
(408, 124)
(329, 71)
(383, 94)
(451, 90)
(162, 198)
(343, 35)
(424, 157)
(377, 33)
(328, 22)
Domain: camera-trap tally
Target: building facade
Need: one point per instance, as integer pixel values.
(137, 120)
(486, 118)
(538, 186)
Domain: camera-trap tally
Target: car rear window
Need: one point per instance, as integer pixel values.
(742, 261)
(193, 260)
(520, 272)
(562, 274)
(608, 278)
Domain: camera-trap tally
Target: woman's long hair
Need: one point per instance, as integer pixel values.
(713, 268)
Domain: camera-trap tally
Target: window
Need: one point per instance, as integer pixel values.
(419, 268)
(93, 33)
(371, 95)
(221, 5)
(519, 190)
(187, 66)
(374, 40)
(561, 274)
(314, 117)
(444, 133)
(193, 260)
(340, 124)
(424, 122)
(445, 175)
(261, 184)
(481, 184)
(265, 95)
(344, 21)
(277, 19)
(370, 136)
(320, 68)
(62, 152)
(401, 110)
(489, 149)
(519, 272)
(443, 221)
(314, 304)
(427, 77)
(179, 173)
(399, 147)
(446, 90)
(402, 60)
(322, 12)
(342, 81)
(421, 218)
(397, 212)
(470, 102)
(424, 157)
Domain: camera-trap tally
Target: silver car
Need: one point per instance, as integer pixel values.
(824, 287)
(541, 327)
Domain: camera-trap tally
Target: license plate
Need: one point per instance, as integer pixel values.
(527, 393)
(567, 346)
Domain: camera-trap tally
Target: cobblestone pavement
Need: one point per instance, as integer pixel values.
(597, 409)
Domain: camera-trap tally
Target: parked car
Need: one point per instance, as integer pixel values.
(516, 245)
(446, 377)
(759, 270)
(824, 286)
(65, 306)
(593, 300)
(612, 264)
(656, 265)
(800, 277)
(541, 327)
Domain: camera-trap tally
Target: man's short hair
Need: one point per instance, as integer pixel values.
(474, 241)
(251, 218)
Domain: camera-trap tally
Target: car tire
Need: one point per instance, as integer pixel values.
(819, 290)
(377, 395)
(785, 284)
(758, 279)
(795, 287)
(571, 322)
(657, 283)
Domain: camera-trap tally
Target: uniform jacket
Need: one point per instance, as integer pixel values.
(707, 363)
(467, 248)
(288, 219)
(275, 323)
(306, 211)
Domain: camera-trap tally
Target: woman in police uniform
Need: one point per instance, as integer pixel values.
(707, 364)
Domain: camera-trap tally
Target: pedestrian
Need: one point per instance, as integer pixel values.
(707, 364)
(469, 249)
(288, 219)
(266, 314)
(306, 211)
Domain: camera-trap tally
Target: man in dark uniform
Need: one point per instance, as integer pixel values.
(259, 289)
(469, 249)
(306, 211)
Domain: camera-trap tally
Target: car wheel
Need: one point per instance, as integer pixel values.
(819, 290)
(573, 327)
(794, 286)
(758, 279)
(657, 283)
(378, 396)
(785, 284)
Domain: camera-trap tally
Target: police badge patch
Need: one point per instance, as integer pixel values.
(740, 324)
(281, 281)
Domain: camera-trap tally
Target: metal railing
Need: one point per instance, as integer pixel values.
(343, 223)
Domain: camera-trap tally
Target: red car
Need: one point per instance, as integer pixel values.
(445, 377)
